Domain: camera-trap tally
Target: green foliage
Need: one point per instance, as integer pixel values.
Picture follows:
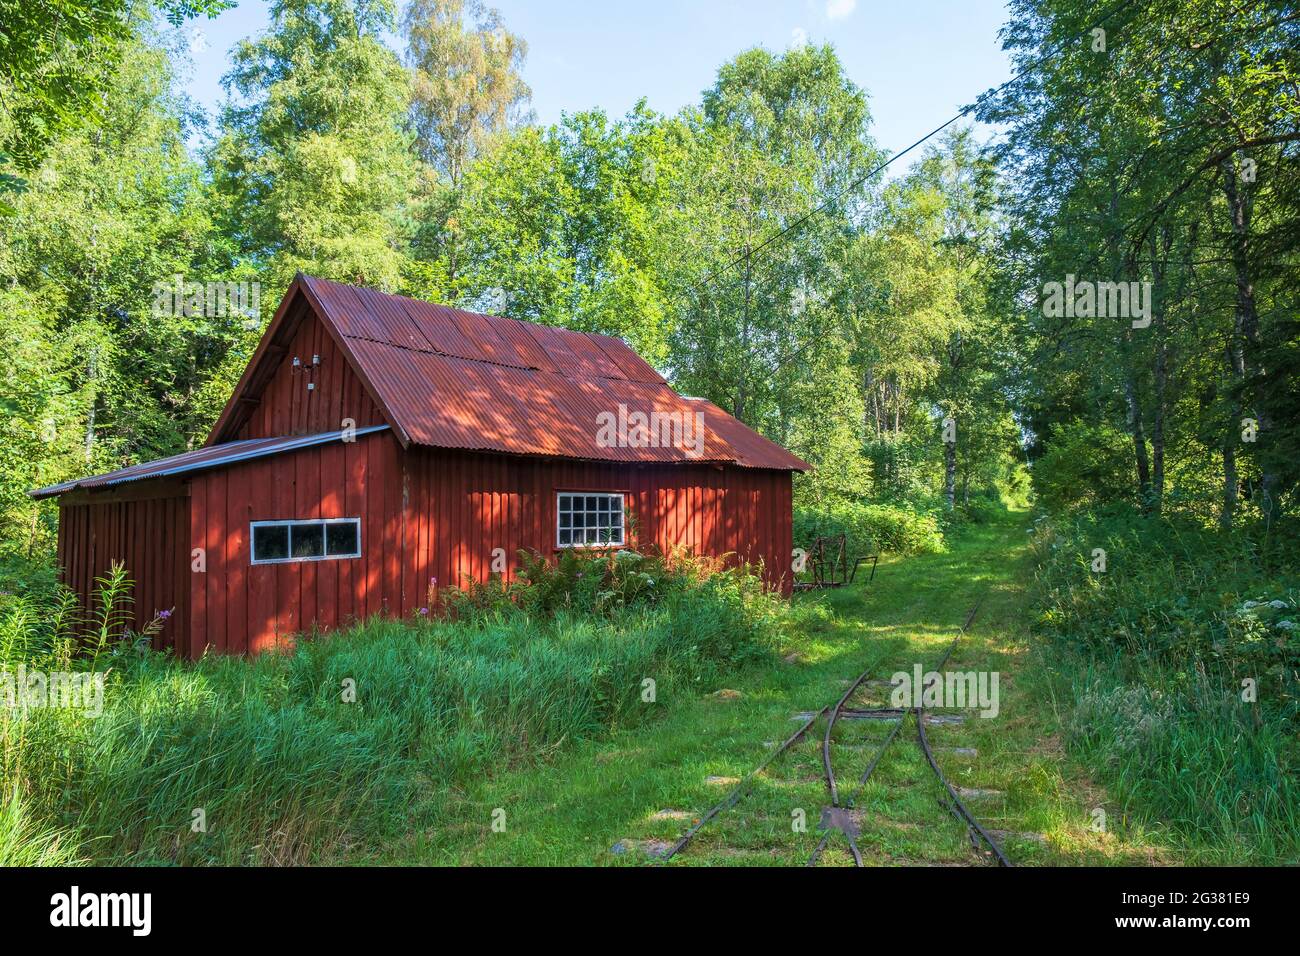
(313, 159)
(466, 86)
(1154, 652)
(58, 59)
(559, 226)
(849, 335)
(1108, 179)
(285, 767)
(624, 226)
(1084, 464)
(97, 377)
(871, 528)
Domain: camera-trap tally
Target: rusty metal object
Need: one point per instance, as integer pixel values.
(826, 740)
(874, 713)
(972, 824)
(732, 798)
(873, 558)
(837, 816)
(880, 713)
(433, 370)
(829, 559)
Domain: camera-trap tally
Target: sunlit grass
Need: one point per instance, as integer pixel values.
(611, 792)
(285, 757)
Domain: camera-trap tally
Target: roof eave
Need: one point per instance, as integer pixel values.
(292, 443)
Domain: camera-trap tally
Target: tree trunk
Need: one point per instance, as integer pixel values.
(1246, 316)
(739, 411)
(950, 473)
(1139, 439)
(1160, 370)
(92, 373)
(1132, 400)
(1229, 477)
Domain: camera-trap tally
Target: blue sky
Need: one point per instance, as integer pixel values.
(919, 60)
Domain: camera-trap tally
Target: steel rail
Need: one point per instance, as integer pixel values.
(833, 711)
(971, 822)
(862, 782)
(880, 753)
(961, 808)
(731, 799)
(826, 739)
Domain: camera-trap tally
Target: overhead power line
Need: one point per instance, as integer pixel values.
(747, 255)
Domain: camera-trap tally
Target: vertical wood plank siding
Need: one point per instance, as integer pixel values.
(430, 514)
(288, 407)
(150, 536)
(426, 513)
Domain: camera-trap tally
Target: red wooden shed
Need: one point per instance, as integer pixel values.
(378, 448)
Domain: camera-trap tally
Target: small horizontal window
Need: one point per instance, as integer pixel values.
(585, 521)
(320, 540)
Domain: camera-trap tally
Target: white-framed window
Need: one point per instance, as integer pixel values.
(313, 539)
(585, 519)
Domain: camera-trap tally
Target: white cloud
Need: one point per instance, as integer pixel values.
(839, 9)
(798, 38)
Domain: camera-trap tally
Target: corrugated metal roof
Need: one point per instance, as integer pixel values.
(211, 456)
(454, 379)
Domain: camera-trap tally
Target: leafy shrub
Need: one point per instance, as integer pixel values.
(595, 584)
(871, 528)
(1174, 594)
(1154, 650)
(984, 508)
(1084, 465)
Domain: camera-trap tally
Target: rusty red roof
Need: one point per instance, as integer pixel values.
(211, 456)
(454, 379)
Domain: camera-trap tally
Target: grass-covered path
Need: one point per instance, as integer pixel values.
(616, 800)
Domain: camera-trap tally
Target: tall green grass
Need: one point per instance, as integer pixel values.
(1152, 653)
(283, 762)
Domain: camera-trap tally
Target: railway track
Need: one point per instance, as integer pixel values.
(837, 817)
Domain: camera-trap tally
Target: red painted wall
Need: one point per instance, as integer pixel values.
(146, 527)
(436, 514)
(239, 607)
(288, 407)
(464, 505)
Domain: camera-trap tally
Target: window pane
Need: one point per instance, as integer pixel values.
(270, 542)
(341, 538)
(308, 540)
(589, 519)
